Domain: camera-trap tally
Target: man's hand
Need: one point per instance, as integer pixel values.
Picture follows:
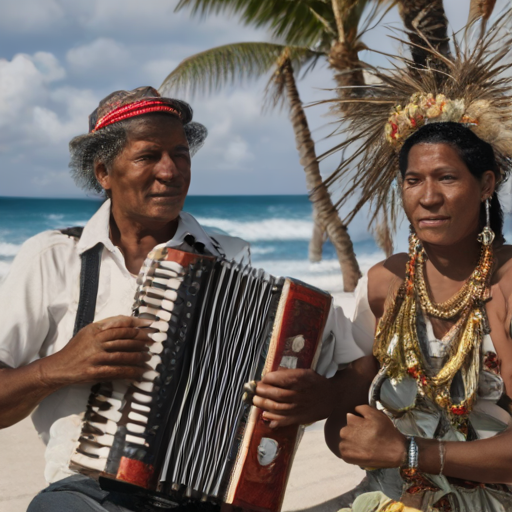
(294, 397)
(371, 440)
(114, 348)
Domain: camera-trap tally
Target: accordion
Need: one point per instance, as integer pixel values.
(184, 433)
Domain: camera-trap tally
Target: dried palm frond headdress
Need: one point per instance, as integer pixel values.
(473, 88)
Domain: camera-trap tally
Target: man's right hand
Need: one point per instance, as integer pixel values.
(114, 348)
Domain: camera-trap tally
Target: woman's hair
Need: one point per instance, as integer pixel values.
(474, 152)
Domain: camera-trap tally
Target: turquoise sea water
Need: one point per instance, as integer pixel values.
(278, 228)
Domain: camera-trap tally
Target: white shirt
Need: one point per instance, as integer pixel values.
(38, 305)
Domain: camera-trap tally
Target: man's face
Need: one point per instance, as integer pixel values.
(149, 179)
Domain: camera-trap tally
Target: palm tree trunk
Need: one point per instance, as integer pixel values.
(326, 213)
(429, 18)
(317, 240)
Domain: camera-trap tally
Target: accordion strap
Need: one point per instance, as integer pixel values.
(89, 281)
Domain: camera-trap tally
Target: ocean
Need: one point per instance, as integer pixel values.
(278, 228)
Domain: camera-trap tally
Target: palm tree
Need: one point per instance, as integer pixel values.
(311, 30)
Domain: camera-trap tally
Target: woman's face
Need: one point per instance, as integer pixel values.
(441, 198)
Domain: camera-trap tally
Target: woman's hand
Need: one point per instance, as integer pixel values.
(371, 440)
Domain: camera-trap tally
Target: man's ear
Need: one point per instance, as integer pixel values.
(488, 184)
(101, 173)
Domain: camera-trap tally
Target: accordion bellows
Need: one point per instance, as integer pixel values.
(184, 433)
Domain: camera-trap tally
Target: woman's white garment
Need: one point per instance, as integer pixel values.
(38, 305)
(425, 419)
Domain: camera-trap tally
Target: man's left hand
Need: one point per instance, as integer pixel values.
(294, 397)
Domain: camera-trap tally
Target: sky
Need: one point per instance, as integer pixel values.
(58, 58)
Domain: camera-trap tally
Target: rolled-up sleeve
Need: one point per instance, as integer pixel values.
(346, 340)
(24, 299)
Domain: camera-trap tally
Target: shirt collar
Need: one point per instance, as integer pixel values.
(98, 228)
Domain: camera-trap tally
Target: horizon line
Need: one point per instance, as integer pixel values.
(189, 195)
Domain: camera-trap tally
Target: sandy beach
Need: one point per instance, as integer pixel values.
(317, 476)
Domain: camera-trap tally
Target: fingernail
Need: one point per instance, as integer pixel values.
(273, 424)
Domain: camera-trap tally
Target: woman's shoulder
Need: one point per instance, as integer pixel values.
(502, 275)
(384, 279)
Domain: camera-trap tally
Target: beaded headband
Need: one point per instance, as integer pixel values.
(137, 108)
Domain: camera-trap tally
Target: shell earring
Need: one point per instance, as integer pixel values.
(486, 237)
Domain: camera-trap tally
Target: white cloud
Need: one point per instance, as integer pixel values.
(100, 56)
(39, 114)
(24, 83)
(29, 16)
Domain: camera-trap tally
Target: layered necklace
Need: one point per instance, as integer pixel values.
(397, 328)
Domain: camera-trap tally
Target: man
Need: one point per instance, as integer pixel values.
(138, 152)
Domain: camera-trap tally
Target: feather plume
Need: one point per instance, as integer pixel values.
(477, 83)
(480, 9)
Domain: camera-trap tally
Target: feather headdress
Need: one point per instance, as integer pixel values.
(473, 87)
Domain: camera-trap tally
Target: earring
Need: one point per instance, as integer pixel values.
(486, 237)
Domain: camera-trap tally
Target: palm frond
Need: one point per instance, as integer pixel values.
(212, 69)
(298, 22)
(480, 9)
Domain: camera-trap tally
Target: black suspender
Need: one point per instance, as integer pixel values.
(89, 281)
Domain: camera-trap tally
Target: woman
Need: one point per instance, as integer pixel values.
(444, 312)
(436, 143)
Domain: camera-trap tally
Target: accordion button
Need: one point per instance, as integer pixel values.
(171, 295)
(154, 361)
(158, 337)
(112, 402)
(164, 315)
(162, 272)
(144, 386)
(135, 429)
(110, 414)
(141, 398)
(141, 408)
(156, 348)
(193, 288)
(150, 375)
(160, 326)
(134, 416)
(135, 440)
(168, 305)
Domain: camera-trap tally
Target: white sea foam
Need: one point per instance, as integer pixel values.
(325, 275)
(262, 250)
(8, 249)
(266, 229)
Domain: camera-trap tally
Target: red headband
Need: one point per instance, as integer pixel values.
(134, 109)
